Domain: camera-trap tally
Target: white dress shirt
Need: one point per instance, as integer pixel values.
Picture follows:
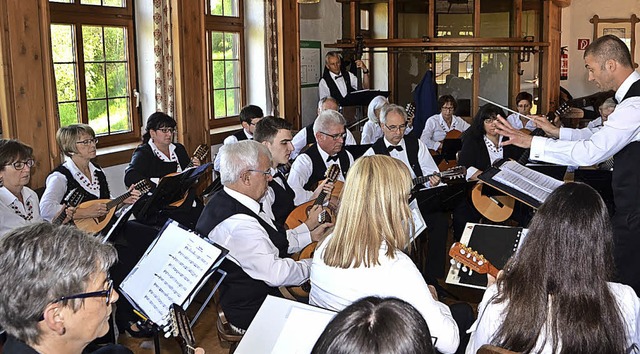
(250, 247)
(300, 141)
(301, 170)
(516, 122)
(56, 188)
(229, 140)
(323, 89)
(436, 129)
(622, 128)
(427, 165)
(491, 316)
(12, 211)
(336, 288)
(370, 133)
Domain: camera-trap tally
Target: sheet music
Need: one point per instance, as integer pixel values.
(301, 330)
(418, 220)
(526, 180)
(169, 271)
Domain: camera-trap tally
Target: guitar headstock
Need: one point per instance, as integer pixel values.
(144, 186)
(469, 260)
(333, 172)
(74, 198)
(201, 152)
(454, 173)
(181, 330)
(411, 110)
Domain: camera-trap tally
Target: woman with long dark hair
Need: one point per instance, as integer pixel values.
(555, 295)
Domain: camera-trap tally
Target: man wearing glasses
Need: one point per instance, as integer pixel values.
(310, 167)
(249, 116)
(438, 126)
(414, 154)
(258, 262)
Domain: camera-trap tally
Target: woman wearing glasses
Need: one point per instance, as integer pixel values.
(364, 256)
(78, 143)
(157, 157)
(443, 124)
(18, 203)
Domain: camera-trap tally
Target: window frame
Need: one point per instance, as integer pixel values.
(78, 15)
(229, 24)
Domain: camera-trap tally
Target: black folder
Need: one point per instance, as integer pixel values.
(362, 97)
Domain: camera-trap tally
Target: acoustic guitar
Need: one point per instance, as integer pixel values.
(95, 225)
(72, 200)
(201, 152)
(471, 261)
(301, 213)
(181, 329)
(499, 208)
(303, 290)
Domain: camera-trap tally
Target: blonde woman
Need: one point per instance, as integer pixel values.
(364, 255)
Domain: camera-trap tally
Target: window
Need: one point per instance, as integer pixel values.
(94, 67)
(224, 25)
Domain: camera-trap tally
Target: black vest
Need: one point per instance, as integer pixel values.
(333, 88)
(73, 184)
(311, 136)
(411, 143)
(626, 172)
(240, 135)
(283, 204)
(319, 167)
(240, 295)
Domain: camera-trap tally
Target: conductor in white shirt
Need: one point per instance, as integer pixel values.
(258, 262)
(336, 81)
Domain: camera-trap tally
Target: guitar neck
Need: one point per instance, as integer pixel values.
(60, 218)
(115, 202)
(423, 179)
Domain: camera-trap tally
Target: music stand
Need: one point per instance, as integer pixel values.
(450, 148)
(600, 180)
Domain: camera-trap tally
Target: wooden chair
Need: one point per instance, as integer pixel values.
(490, 349)
(226, 334)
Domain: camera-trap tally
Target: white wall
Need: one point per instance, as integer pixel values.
(146, 57)
(255, 56)
(318, 22)
(575, 24)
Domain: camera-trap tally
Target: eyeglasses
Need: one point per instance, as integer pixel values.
(106, 293)
(395, 128)
(490, 120)
(19, 165)
(336, 136)
(266, 173)
(167, 130)
(447, 109)
(88, 142)
(254, 123)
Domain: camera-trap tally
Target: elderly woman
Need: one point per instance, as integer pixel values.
(157, 157)
(18, 203)
(371, 130)
(78, 143)
(50, 302)
(442, 124)
(524, 103)
(364, 254)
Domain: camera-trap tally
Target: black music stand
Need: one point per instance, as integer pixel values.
(600, 180)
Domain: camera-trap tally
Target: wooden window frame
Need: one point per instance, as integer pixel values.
(79, 15)
(228, 24)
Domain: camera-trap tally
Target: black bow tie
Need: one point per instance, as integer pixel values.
(332, 158)
(394, 147)
(337, 77)
(261, 209)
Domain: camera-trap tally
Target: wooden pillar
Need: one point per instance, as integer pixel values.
(289, 65)
(550, 80)
(189, 62)
(27, 107)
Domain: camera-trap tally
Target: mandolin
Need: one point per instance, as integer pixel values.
(447, 176)
(303, 290)
(301, 213)
(201, 152)
(181, 329)
(72, 200)
(471, 261)
(95, 225)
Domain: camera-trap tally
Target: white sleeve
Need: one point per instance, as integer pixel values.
(464, 125)
(323, 89)
(250, 247)
(427, 164)
(350, 139)
(51, 203)
(298, 238)
(427, 134)
(575, 134)
(354, 81)
(299, 141)
(299, 176)
(489, 320)
(367, 133)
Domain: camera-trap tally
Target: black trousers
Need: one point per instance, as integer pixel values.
(626, 236)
